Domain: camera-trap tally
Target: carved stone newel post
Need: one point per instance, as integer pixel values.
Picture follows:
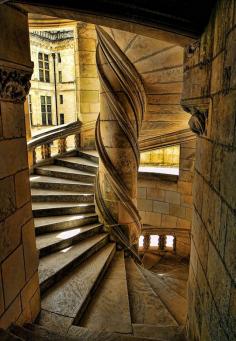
(122, 108)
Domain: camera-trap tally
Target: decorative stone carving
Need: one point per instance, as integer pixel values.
(46, 151)
(123, 103)
(62, 145)
(146, 242)
(14, 85)
(197, 122)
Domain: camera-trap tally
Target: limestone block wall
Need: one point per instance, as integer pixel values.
(209, 84)
(167, 205)
(19, 287)
(87, 82)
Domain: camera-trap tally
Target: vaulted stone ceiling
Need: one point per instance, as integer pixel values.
(161, 66)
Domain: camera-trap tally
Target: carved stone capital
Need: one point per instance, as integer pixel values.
(14, 84)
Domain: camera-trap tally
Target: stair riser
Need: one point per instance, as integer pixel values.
(73, 165)
(67, 198)
(62, 187)
(83, 308)
(71, 266)
(69, 176)
(68, 242)
(37, 213)
(65, 225)
(88, 157)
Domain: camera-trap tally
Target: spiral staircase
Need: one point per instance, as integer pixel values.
(90, 289)
(92, 283)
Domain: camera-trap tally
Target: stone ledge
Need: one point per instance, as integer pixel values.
(158, 176)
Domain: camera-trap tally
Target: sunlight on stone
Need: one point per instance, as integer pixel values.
(68, 234)
(66, 250)
(75, 217)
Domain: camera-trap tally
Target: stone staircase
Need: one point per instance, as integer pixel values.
(89, 290)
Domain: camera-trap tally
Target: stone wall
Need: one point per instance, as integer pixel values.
(209, 85)
(88, 86)
(19, 287)
(167, 205)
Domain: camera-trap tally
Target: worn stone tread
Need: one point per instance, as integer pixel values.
(56, 265)
(145, 306)
(45, 209)
(175, 303)
(51, 179)
(89, 154)
(79, 160)
(33, 333)
(70, 296)
(54, 241)
(60, 223)
(85, 334)
(7, 335)
(57, 168)
(170, 333)
(42, 221)
(46, 192)
(111, 302)
(58, 204)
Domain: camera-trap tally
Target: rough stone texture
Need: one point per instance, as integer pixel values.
(167, 206)
(13, 275)
(16, 249)
(211, 288)
(87, 82)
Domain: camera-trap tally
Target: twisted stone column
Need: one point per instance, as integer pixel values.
(117, 129)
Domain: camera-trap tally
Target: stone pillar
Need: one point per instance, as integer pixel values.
(146, 242)
(162, 242)
(87, 82)
(117, 130)
(19, 286)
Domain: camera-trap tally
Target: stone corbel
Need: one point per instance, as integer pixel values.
(197, 122)
(14, 82)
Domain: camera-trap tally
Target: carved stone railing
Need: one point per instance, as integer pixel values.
(161, 245)
(60, 133)
(181, 240)
(123, 103)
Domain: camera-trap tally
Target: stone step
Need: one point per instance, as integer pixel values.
(7, 335)
(59, 223)
(35, 333)
(56, 266)
(52, 242)
(170, 333)
(65, 173)
(111, 302)
(45, 195)
(89, 155)
(49, 182)
(78, 163)
(145, 306)
(70, 296)
(85, 334)
(174, 302)
(45, 209)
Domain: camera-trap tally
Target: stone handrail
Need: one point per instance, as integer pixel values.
(51, 135)
(59, 133)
